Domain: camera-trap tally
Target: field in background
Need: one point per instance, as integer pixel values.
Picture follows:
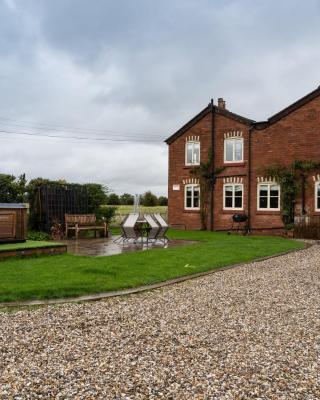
(124, 210)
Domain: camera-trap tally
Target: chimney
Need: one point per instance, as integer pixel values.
(221, 103)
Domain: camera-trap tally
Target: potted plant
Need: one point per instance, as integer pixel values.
(289, 230)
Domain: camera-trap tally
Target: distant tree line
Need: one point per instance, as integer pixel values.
(148, 199)
(18, 190)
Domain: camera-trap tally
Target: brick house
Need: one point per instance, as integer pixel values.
(243, 148)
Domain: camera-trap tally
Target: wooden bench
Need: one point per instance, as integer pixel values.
(84, 222)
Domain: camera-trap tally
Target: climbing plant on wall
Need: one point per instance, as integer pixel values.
(207, 178)
(290, 180)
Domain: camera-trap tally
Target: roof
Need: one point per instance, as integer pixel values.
(259, 125)
(202, 114)
(293, 107)
(189, 124)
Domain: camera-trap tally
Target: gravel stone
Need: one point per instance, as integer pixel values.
(252, 332)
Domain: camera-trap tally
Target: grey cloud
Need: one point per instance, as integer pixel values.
(144, 67)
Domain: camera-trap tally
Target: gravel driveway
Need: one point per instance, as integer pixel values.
(252, 332)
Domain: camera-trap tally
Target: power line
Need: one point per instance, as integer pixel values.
(43, 126)
(79, 137)
(30, 139)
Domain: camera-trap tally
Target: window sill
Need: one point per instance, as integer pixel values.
(234, 164)
(233, 211)
(268, 212)
(190, 166)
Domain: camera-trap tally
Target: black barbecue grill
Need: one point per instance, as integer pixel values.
(239, 223)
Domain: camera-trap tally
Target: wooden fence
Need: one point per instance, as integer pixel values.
(308, 229)
(51, 202)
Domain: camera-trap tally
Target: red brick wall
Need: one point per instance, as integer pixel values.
(178, 171)
(296, 136)
(223, 125)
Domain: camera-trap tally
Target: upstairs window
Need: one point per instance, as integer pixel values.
(233, 150)
(317, 196)
(233, 196)
(192, 197)
(192, 153)
(268, 196)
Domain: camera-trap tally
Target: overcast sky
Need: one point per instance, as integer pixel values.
(138, 70)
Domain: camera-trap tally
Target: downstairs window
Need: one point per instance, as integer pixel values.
(233, 196)
(317, 196)
(192, 197)
(269, 196)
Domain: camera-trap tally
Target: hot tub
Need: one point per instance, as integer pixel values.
(13, 222)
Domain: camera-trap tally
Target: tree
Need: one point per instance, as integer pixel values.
(126, 199)
(162, 201)
(97, 196)
(148, 199)
(12, 189)
(113, 199)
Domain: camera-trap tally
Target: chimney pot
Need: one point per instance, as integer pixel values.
(221, 103)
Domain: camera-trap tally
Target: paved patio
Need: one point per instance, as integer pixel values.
(107, 246)
(252, 332)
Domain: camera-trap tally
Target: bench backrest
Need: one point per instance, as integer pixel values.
(81, 219)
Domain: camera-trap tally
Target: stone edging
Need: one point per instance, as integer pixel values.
(33, 251)
(144, 288)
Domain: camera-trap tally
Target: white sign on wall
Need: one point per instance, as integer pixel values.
(176, 187)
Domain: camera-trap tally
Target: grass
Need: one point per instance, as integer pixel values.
(69, 275)
(124, 210)
(29, 244)
(128, 209)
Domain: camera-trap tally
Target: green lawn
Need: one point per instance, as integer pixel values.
(68, 275)
(29, 244)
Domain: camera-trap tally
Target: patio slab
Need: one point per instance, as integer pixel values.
(106, 246)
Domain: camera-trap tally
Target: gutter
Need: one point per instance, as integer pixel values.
(249, 178)
(212, 167)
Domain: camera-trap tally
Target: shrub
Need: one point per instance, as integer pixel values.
(106, 213)
(37, 235)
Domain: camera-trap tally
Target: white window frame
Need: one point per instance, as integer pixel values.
(234, 150)
(269, 184)
(186, 152)
(316, 185)
(193, 185)
(233, 196)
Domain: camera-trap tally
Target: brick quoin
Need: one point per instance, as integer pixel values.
(292, 134)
